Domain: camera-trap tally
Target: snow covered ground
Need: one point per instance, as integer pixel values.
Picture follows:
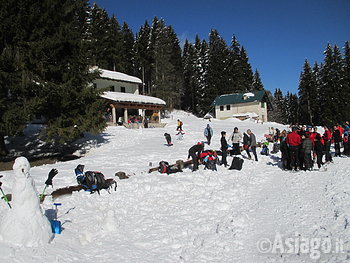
(258, 214)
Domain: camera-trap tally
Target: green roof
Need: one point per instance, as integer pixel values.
(236, 98)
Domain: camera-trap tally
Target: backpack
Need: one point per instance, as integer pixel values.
(163, 167)
(95, 181)
(236, 164)
(265, 150)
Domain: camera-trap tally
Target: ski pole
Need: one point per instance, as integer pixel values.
(5, 197)
(51, 175)
(42, 194)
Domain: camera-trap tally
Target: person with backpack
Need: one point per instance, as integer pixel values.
(224, 148)
(208, 133)
(252, 144)
(294, 141)
(179, 125)
(235, 138)
(194, 152)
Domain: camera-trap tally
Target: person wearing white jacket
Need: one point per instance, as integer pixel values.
(236, 138)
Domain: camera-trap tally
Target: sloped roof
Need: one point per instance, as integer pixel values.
(132, 98)
(114, 75)
(237, 98)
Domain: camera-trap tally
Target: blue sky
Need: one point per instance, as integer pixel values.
(277, 34)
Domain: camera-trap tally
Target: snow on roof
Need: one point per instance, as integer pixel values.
(129, 97)
(246, 114)
(114, 75)
(249, 94)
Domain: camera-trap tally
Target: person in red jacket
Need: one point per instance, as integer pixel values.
(327, 135)
(294, 141)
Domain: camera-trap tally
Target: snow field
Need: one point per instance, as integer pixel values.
(204, 216)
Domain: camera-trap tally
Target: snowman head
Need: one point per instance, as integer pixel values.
(21, 167)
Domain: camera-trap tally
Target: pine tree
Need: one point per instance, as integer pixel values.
(61, 72)
(99, 37)
(291, 102)
(331, 86)
(127, 52)
(217, 78)
(307, 95)
(346, 80)
(257, 83)
(245, 80)
(143, 57)
(189, 59)
(17, 100)
(234, 66)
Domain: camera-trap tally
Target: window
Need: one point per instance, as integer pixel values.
(228, 107)
(122, 89)
(221, 108)
(111, 88)
(95, 86)
(262, 104)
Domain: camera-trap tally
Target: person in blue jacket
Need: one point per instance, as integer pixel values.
(208, 133)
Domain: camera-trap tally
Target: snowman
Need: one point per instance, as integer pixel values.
(25, 224)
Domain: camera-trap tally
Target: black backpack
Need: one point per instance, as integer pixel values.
(236, 164)
(95, 181)
(163, 167)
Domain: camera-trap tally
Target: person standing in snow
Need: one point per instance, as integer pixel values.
(208, 133)
(235, 138)
(252, 144)
(168, 139)
(194, 152)
(307, 148)
(294, 141)
(284, 150)
(246, 142)
(224, 148)
(327, 135)
(179, 125)
(319, 148)
(337, 139)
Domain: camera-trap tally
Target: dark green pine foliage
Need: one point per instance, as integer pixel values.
(100, 40)
(143, 57)
(127, 52)
(61, 71)
(217, 77)
(18, 100)
(346, 81)
(317, 99)
(115, 45)
(245, 80)
(292, 106)
(234, 66)
(278, 114)
(257, 83)
(167, 68)
(330, 87)
(189, 84)
(307, 95)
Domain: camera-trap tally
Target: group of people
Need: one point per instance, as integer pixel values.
(249, 145)
(304, 146)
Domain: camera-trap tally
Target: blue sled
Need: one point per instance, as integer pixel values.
(56, 226)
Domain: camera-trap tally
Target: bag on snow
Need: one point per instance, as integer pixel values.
(95, 181)
(236, 164)
(265, 150)
(163, 167)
